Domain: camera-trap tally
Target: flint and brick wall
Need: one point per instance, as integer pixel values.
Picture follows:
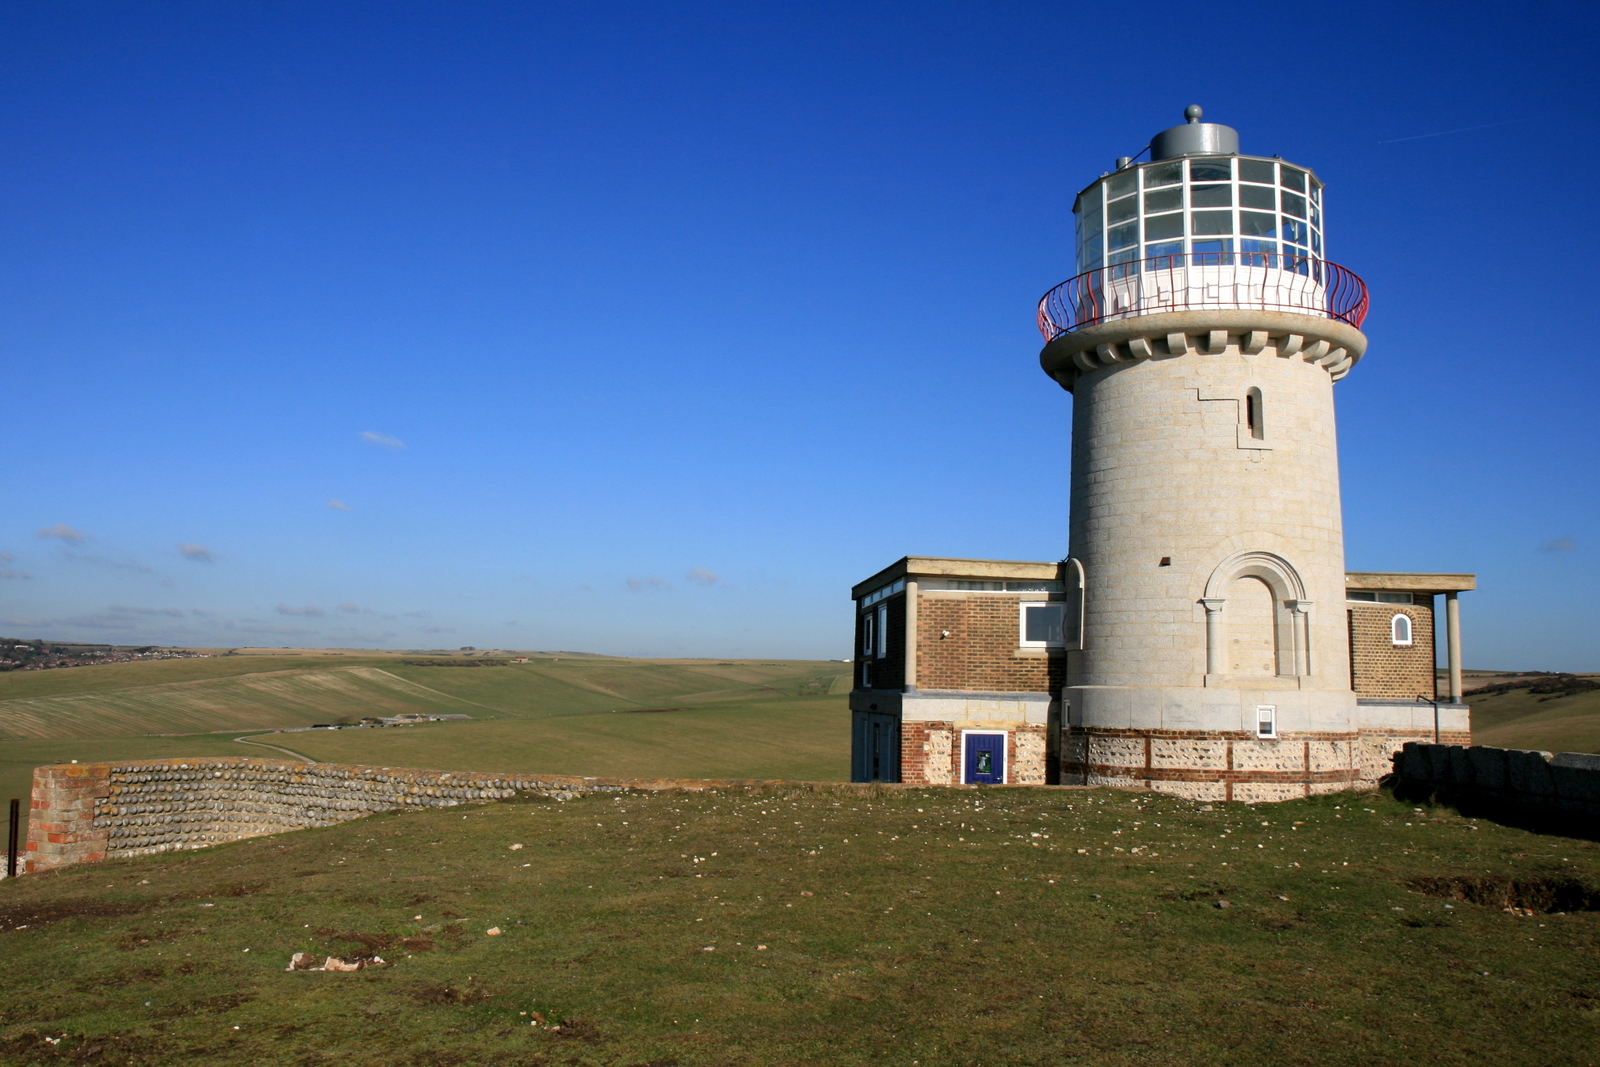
(83, 812)
(1215, 765)
(1381, 668)
(930, 754)
(981, 654)
(1566, 785)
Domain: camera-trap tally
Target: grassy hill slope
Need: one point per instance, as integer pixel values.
(261, 700)
(804, 739)
(568, 715)
(847, 927)
(1519, 719)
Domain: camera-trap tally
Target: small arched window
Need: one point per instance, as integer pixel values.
(1255, 416)
(1400, 629)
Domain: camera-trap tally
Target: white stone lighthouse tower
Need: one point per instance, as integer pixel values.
(1201, 340)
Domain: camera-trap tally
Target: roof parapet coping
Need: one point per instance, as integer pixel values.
(946, 567)
(1406, 582)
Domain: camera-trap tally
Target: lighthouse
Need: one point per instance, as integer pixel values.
(1201, 635)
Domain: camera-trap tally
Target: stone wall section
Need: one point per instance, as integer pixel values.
(983, 652)
(930, 753)
(1566, 785)
(84, 812)
(1379, 667)
(1209, 765)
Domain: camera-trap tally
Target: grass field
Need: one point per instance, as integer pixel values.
(1519, 719)
(572, 715)
(844, 926)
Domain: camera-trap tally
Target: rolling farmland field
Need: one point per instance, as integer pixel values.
(573, 715)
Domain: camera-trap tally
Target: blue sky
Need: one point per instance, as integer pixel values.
(649, 329)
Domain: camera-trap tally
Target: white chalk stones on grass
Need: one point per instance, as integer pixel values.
(305, 961)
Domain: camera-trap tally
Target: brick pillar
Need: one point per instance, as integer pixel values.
(61, 821)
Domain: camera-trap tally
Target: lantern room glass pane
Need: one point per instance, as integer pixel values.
(1209, 222)
(1294, 204)
(1298, 232)
(1254, 196)
(1210, 170)
(1258, 224)
(1211, 253)
(1122, 210)
(1121, 184)
(1294, 179)
(1255, 253)
(1123, 236)
(1211, 196)
(1160, 174)
(1163, 200)
(1258, 170)
(1164, 253)
(1163, 227)
(1316, 244)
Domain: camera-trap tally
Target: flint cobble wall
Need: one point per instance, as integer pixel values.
(1219, 765)
(83, 812)
(1565, 785)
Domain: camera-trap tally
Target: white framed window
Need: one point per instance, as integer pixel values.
(868, 623)
(1266, 720)
(883, 630)
(1400, 630)
(1041, 624)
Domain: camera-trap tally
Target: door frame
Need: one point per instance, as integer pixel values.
(1005, 756)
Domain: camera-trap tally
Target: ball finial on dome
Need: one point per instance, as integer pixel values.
(1193, 112)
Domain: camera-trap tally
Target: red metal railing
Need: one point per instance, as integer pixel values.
(1243, 280)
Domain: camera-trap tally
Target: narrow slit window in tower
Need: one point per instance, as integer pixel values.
(1255, 414)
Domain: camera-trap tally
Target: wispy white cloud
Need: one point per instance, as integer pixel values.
(703, 576)
(351, 608)
(637, 584)
(308, 610)
(15, 574)
(62, 532)
(373, 437)
(1560, 544)
(414, 614)
(197, 553)
(338, 505)
(437, 629)
(6, 557)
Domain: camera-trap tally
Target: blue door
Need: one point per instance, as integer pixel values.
(985, 759)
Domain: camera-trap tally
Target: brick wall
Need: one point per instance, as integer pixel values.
(981, 654)
(1379, 667)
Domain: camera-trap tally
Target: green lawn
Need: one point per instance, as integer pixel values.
(845, 926)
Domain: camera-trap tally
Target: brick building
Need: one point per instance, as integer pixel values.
(1203, 636)
(961, 663)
